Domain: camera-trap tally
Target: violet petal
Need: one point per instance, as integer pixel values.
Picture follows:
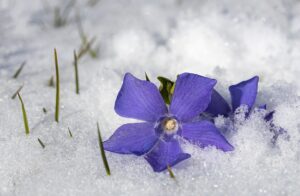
(244, 93)
(205, 133)
(191, 96)
(218, 105)
(139, 99)
(164, 154)
(135, 138)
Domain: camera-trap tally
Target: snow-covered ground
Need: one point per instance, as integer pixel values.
(227, 40)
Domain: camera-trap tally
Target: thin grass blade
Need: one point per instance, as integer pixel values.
(16, 93)
(85, 43)
(85, 48)
(80, 29)
(57, 88)
(76, 72)
(51, 82)
(70, 133)
(105, 162)
(41, 143)
(170, 172)
(27, 131)
(19, 70)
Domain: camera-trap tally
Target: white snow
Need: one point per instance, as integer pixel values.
(227, 40)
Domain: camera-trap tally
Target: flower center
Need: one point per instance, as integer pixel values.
(170, 125)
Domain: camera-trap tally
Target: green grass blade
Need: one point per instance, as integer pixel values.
(61, 14)
(27, 131)
(58, 20)
(57, 88)
(41, 143)
(170, 172)
(19, 70)
(51, 82)
(85, 43)
(16, 93)
(94, 52)
(70, 133)
(81, 32)
(102, 151)
(76, 72)
(85, 48)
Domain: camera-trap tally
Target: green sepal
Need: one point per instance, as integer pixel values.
(166, 88)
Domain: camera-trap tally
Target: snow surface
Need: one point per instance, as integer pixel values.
(227, 40)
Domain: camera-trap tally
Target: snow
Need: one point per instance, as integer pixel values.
(227, 40)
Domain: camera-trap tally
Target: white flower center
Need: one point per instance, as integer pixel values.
(170, 125)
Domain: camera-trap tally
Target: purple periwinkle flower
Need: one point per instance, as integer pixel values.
(243, 93)
(157, 138)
